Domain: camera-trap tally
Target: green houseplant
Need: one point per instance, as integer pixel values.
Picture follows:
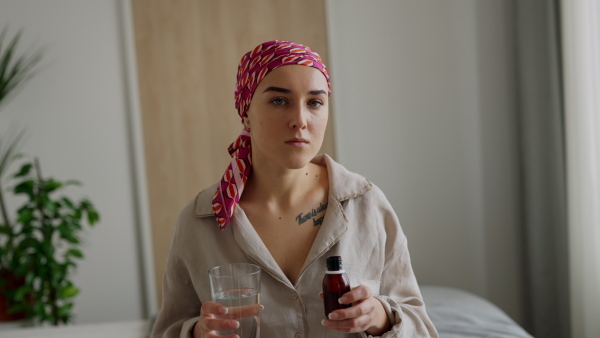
(15, 71)
(40, 241)
(43, 245)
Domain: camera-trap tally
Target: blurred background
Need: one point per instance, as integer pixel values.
(456, 109)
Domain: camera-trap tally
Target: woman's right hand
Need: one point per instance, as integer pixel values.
(215, 317)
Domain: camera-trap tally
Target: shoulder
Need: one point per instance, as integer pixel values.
(197, 213)
(343, 183)
(376, 196)
(202, 203)
(196, 227)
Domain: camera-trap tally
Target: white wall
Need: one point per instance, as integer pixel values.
(425, 108)
(75, 111)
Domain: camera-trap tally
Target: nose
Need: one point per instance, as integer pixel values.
(299, 116)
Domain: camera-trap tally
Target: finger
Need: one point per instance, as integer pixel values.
(218, 324)
(213, 308)
(215, 334)
(358, 293)
(237, 312)
(363, 308)
(348, 325)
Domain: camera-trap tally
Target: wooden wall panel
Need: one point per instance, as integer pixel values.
(187, 55)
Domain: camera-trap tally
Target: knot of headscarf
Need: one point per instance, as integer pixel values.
(254, 66)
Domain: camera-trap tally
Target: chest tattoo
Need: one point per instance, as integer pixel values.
(303, 217)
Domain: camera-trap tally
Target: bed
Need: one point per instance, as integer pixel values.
(460, 314)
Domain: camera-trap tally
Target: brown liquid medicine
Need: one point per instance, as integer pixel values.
(335, 285)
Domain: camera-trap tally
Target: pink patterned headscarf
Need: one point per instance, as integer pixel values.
(254, 66)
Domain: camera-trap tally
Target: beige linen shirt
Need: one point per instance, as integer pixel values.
(359, 225)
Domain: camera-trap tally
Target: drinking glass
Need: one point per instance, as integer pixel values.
(237, 286)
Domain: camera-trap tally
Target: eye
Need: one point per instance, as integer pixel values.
(278, 101)
(315, 103)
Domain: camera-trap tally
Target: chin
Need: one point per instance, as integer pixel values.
(299, 161)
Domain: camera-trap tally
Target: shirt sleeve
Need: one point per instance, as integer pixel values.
(399, 292)
(180, 303)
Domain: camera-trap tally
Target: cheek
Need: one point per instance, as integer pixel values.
(262, 131)
(320, 122)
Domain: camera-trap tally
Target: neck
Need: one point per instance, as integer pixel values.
(282, 187)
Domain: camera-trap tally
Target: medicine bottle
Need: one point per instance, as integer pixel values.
(335, 285)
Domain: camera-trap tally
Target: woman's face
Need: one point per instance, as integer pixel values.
(288, 115)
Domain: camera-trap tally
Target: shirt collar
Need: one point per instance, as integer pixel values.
(343, 185)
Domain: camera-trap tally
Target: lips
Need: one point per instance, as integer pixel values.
(297, 140)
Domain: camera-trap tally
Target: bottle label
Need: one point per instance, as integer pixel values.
(335, 272)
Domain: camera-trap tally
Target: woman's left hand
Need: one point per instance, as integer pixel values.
(366, 314)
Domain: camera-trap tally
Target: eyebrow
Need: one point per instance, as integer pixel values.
(277, 89)
(288, 91)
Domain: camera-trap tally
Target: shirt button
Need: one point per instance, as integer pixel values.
(298, 335)
(294, 297)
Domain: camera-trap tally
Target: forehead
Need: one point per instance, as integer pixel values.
(294, 77)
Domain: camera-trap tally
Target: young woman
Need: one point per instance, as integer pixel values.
(283, 208)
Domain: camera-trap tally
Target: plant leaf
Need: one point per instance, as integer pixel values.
(29, 242)
(65, 230)
(68, 203)
(50, 185)
(14, 74)
(29, 278)
(93, 217)
(10, 153)
(25, 187)
(21, 292)
(25, 169)
(25, 216)
(75, 252)
(69, 291)
(5, 229)
(73, 239)
(65, 312)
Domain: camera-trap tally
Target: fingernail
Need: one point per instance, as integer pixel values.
(262, 307)
(223, 310)
(323, 322)
(333, 316)
(342, 300)
(235, 324)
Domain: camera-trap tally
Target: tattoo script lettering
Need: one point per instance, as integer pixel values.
(302, 217)
(318, 221)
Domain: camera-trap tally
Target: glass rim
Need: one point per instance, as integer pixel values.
(213, 274)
